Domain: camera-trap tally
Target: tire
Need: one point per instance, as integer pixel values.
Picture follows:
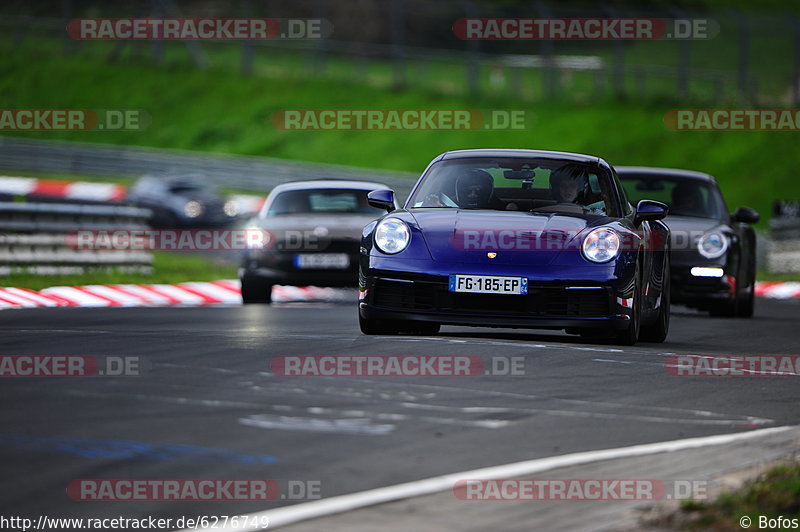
(631, 335)
(745, 306)
(728, 309)
(657, 331)
(256, 291)
(746, 301)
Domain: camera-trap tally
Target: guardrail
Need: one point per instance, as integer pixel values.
(783, 254)
(33, 238)
(236, 171)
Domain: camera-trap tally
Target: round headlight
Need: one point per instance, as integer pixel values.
(712, 245)
(231, 208)
(193, 209)
(601, 245)
(392, 236)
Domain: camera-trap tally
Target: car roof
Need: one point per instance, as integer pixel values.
(672, 172)
(329, 183)
(509, 152)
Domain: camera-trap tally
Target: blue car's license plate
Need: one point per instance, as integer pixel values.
(488, 284)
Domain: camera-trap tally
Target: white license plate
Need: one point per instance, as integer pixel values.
(488, 284)
(327, 261)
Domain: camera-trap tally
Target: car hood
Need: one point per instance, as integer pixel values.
(686, 230)
(346, 227)
(689, 223)
(468, 236)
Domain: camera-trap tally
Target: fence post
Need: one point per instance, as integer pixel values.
(66, 14)
(397, 21)
(796, 71)
(618, 68)
(246, 63)
(473, 50)
(684, 52)
(194, 48)
(744, 52)
(318, 57)
(550, 72)
(158, 45)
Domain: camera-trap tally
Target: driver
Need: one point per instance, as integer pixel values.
(475, 190)
(687, 199)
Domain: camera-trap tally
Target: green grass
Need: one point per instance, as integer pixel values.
(167, 268)
(217, 110)
(775, 493)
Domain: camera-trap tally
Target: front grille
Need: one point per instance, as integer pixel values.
(403, 295)
(552, 301)
(690, 283)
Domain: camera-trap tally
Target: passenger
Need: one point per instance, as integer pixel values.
(567, 188)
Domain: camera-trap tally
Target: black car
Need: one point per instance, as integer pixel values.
(182, 201)
(313, 230)
(713, 251)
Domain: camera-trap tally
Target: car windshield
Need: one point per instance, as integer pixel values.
(188, 188)
(322, 201)
(517, 184)
(685, 197)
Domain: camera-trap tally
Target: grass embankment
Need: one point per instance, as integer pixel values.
(774, 495)
(217, 110)
(167, 268)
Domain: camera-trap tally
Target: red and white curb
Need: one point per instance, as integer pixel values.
(93, 191)
(74, 190)
(225, 292)
(778, 289)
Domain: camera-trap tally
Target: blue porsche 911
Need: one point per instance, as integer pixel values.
(520, 239)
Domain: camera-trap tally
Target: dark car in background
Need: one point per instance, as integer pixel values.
(517, 238)
(713, 251)
(312, 235)
(182, 201)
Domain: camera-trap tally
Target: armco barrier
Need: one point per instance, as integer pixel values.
(783, 255)
(235, 171)
(32, 238)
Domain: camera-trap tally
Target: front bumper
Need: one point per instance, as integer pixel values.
(278, 267)
(697, 291)
(554, 304)
(330, 278)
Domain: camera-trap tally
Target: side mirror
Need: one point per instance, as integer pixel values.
(746, 215)
(647, 210)
(381, 199)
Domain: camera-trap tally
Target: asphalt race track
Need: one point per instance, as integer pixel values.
(207, 406)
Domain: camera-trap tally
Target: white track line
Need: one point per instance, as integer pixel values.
(343, 503)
